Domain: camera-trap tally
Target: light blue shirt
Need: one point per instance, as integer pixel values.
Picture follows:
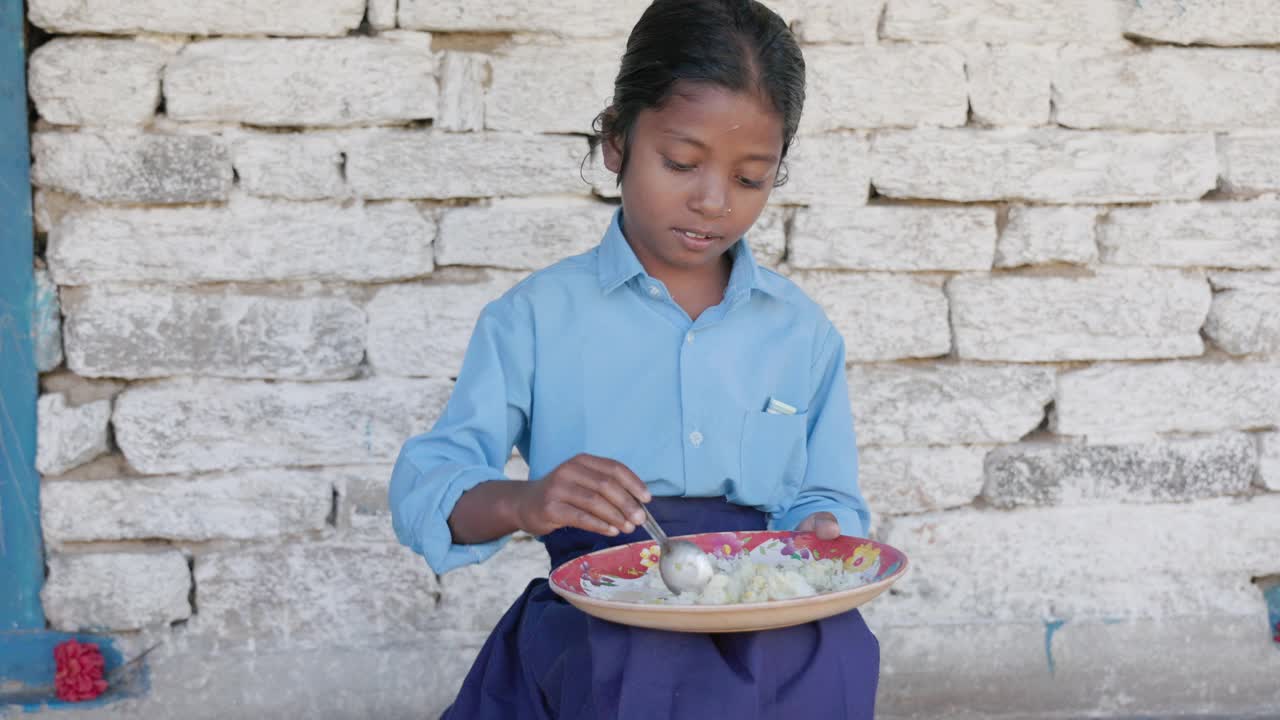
(592, 355)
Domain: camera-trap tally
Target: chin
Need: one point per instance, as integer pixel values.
(686, 258)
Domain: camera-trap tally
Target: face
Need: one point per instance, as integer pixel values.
(699, 172)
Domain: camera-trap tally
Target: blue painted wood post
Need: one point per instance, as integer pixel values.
(21, 553)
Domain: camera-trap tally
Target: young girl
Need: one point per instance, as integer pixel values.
(665, 367)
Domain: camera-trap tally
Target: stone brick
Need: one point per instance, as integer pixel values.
(947, 404)
(476, 596)
(1115, 314)
(1049, 166)
(1009, 84)
(350, 81)
(882, 317)
(1074, 563)
(901, 480)
(521, 234)
(242, 506)
(381, 14)
(96, 81)
(411, 164)
(557, 17)
(884, 86)
(996, 21)
(462, 79)
(66, 436)
(423, 330)
(895, 237)
(116, 591)
(825, 21)
(1221, 235)
(1170, 89)
(48, 207)
(551, 89)
(189, 425)
(826, 170)
(46, 322)
(1250, 161)
(79, 390)
(1040, 236)
(115, 166)
(146, 332)
(247, 240)
(1240, 22)
(768, 237)
(198, 17)
(1254, 280)
(1269, 461)
(106, 467)
(363, 514)
(1120, 401)
(1159, 472)
(314, 594)
(290, 166)
(1244, 321)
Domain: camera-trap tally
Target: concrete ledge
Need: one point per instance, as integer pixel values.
(1171, 667)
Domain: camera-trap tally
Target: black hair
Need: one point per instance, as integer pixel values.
(740, 45)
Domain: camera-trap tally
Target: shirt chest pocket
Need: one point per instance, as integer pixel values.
(773, 453)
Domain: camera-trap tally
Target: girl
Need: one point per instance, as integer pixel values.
(664, 366)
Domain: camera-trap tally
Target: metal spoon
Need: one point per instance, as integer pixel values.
(683, 565)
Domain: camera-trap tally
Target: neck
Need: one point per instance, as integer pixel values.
(693, 288)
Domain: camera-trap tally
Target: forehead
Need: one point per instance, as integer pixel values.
(718, 118)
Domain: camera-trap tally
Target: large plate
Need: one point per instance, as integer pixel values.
(592, 582)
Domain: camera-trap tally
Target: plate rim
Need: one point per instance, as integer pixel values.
(662, 609)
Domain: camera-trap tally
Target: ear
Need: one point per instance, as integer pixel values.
(612, 149)
(611, 146)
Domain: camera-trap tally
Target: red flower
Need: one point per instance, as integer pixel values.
(79, 671)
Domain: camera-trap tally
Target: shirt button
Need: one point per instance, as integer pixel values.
(695, 437)
(688, 337)
(654, 291)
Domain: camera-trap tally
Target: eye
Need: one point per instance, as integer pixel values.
(673, 165)
(753, 184)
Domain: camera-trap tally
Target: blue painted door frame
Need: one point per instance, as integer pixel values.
(21, 553)
(26, 646)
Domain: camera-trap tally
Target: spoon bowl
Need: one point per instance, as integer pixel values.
(684, 567)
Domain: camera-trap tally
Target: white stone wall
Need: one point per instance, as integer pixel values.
(1049, 231)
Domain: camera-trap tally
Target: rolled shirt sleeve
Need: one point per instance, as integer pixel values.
(487, 414)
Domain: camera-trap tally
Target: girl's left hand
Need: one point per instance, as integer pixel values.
(822, 523)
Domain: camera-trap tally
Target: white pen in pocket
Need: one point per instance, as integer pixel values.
(777, 407)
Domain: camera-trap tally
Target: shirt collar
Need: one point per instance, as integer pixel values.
(617, 263)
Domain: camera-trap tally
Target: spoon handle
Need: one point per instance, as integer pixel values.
(651, 526)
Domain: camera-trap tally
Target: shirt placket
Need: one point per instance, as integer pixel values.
(698, 441)
(703, 442)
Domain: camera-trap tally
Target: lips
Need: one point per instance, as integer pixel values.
(695, 241)
(700, 235)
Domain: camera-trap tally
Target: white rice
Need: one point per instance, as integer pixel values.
(743, 580)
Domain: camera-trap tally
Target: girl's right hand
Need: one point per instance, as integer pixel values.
(588, 492)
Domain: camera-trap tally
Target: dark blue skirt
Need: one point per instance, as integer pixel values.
(547, 659)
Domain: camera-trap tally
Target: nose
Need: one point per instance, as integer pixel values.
(710, 198)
